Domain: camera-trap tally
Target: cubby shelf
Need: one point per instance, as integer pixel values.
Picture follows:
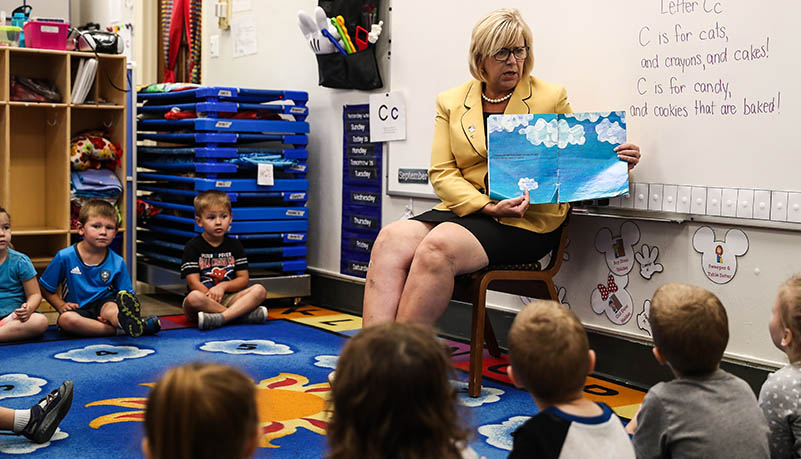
(35, 143)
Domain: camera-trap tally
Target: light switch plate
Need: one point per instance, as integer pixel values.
(655, 196)
(728, 207)
(745, 203)
(762, 204)
(794, 207)
(778, 206)
(698, 201)
(684, 194)
(669, 198)
(641, 196)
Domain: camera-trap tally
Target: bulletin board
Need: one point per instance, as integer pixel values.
(709, 87)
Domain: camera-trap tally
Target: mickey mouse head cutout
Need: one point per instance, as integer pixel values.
(719, 258)
(619, 250)
(611, 297)
(644, 318)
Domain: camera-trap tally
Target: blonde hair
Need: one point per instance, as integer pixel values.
(690, 328)
(549, 351)
(98, 208)
(201, 410)
(790, 312)
(210, 198)
(392, 397)
(498, 29)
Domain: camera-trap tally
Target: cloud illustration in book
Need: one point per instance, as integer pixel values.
(507, 123)
(527, 183)
(610, 132)
(583, 116)
(550, 133)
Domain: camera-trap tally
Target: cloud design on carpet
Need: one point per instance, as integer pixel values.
(21, 445)
(326, 361)
(500, 435)
(247, 346)
(13, 385)
(487, 395)
(104, 353)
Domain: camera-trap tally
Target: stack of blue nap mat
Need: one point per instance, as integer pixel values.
(236, 130)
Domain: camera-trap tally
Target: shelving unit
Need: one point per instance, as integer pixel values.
(176, 159)
(35, 144)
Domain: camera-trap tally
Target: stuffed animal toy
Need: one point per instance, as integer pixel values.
(92, 150)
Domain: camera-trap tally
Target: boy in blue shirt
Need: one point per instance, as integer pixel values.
(216, 270)
(19, 291)
(97, 297)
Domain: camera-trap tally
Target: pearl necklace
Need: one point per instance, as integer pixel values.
(498, 100)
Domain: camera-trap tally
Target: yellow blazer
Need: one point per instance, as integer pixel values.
(458, 170)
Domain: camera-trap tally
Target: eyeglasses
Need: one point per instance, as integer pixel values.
(520, 54)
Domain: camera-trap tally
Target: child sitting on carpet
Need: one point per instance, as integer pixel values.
(392, 397)
(201, 410)
(550, 357)
(216, 270)
(705, 411)
(98, 295)
(19, 290)
(779, 395)
(39, 423)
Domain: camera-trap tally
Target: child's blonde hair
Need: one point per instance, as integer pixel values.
(98, 208)
(210, 198)
(690, 328)
(790, 312)
(201, 410)
(549, 351)
(392, 397)
(497, 29)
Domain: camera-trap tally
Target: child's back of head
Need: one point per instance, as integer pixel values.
(785, 322)
(201, 410)
(690, 328)
(549, 351)
(392, 396)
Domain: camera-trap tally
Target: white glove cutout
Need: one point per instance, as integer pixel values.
(375, 32)
(647, 261)
(311, 29)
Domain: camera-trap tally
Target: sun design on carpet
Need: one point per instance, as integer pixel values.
(286, 402)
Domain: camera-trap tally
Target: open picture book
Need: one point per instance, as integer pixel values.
(557, 157)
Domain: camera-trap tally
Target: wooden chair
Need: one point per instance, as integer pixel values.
(526, 280)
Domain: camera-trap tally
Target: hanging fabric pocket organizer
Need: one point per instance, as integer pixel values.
(357, 70)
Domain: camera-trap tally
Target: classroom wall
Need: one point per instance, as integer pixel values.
(283, 61)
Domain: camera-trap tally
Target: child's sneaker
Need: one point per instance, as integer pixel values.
(128, 314)
(256, 316)
(151, 325)
(48, 413)
(209, 320)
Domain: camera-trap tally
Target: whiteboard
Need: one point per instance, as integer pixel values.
(670, 56)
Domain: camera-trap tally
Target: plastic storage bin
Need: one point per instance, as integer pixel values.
(46, 34)
(9, 35)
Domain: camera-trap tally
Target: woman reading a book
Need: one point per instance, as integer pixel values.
(413, 262)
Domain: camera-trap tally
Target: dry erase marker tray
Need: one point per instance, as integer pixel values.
(224, 125)
(241, 213)
(222, 152)
(213, 109)
(268, 197)
(227, 184)
(222, 137)
(218, 93)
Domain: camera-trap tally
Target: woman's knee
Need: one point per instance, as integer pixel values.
(436, 252)
(399, 238)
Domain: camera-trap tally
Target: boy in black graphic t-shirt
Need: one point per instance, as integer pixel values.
(216, 270)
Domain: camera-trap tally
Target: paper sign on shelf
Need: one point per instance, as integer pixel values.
(387, 117)
(265, 175)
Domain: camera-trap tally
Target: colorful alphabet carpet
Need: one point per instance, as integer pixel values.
(289, 359)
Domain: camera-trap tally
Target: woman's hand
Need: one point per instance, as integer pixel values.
(513, 207)
(628, 152)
